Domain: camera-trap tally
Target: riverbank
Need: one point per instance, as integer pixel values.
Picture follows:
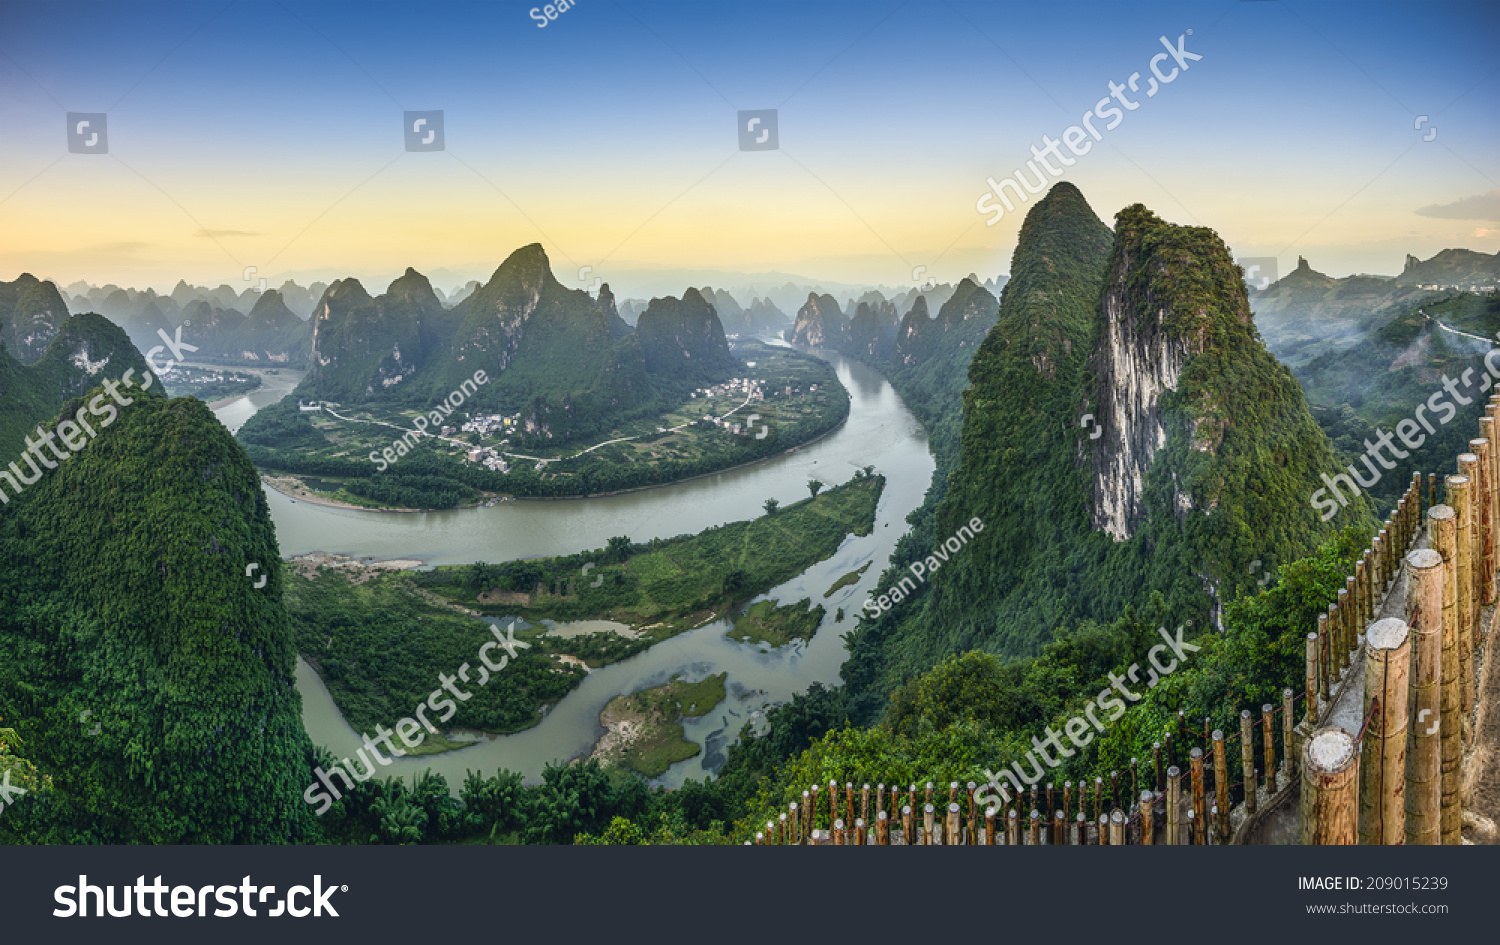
(293, 486)
(643, 730)
(377, 633)
(880, 432)
(663, 587)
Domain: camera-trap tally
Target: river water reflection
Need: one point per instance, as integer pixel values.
(880, 432)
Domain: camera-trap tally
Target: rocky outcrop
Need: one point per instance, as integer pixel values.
(820, 323)
(31, 314)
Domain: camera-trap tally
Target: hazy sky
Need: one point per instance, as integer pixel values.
(271, 134)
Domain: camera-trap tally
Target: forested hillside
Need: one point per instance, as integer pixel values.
(144, 672)
(1078, 527)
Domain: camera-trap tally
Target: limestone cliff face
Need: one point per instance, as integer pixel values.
(820, 323)
(1136, 362)
(31, 314)
(1158, 312)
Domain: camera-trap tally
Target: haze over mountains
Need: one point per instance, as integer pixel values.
(1304, 311)
(566, 362)
(1143, 334)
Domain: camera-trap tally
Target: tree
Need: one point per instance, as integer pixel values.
(771, 505)
(618, 549)
(495, 804)
(814, 487)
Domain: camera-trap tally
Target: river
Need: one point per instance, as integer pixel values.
(879, 432)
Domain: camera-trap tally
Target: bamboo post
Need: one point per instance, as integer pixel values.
(1312, 678)
(838, 832)
(1078, 832)
(1117, 828)
(861, 835)
(1385, 561)
(989, 827)
(1481, 447)
(1148, 826)
(1036, 827)
(1288, 752)
(1457, 490)
(882, 828)
(1193, 833)
(1104, 838)
(1156, 768)
(1247, 759)
(864, 804)
(908, 829)
(1200, 811)
(1174, 806)
(1013, 828)
(929, 825)
(1377, 565)
(1338, 659)
(1468, 466)
(849, 802)
(951, 831)
(1431, 490)
(833, 802)
(1059, 828)
(812, 807)
(928, 799)
(1268, 749)
(880, 796)
(1382, 766)
(1325, 653)
(1221, 785)
(1330, 783)
(1068, 798)
(1443, 525)
(1361, 613)
(1098, 795)
(1424, 750)
(1368, 560)
(973, 837)
(1492, 413)
(1353, 624)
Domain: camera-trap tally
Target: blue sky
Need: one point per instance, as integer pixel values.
(610, 134)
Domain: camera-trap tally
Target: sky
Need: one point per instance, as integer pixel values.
(272, 135)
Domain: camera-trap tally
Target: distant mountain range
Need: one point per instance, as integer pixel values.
(86, 351)
(568, 364)
(1305, 312)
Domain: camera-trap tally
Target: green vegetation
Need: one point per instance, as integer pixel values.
(672, 441)
(774, 626)
(1400, 365)
(122, 574)
(1239, 441)
(644, 729)
(974, 712)
(34, 393)
(851, 578)
(380, 645)
(664, 586)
